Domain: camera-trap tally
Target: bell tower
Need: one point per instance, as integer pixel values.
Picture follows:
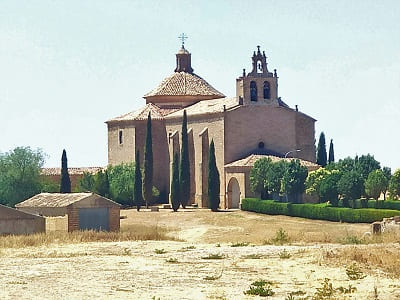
(259, 86)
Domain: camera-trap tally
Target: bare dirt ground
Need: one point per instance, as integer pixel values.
(189, 268)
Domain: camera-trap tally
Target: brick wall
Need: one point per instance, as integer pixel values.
(215, 125)
(134, 139)
(73, 218)
(114, 220)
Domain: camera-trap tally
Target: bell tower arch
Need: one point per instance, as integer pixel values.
(259, 86)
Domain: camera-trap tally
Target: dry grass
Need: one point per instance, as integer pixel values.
(232, 226)
(128, 233)
(368, 257)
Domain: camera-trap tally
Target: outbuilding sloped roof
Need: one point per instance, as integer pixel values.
(8, 213)
(71, 171)
(249, 161)
(206, 107)
(184, 84)
(58, 199)
(156, 112)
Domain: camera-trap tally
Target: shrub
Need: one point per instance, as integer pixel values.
(376, 183)
(318, 211)
(394, 185)
(293, 180)
(261, 288)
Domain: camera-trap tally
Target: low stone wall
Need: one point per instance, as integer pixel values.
(386, 225)
(57, 223)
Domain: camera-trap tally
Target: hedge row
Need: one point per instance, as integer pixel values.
(318, 211)
(387, 204)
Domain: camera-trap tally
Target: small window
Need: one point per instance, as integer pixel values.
(267, 90)
(120, 137)
(259, 67)
(253, 91)
(261, 145)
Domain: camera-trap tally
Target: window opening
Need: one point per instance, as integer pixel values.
(253, 91)
(120, 137)
(267, 90)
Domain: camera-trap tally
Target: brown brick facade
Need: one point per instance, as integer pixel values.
(237, 125)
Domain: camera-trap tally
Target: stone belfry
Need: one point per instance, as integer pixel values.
(259, 86)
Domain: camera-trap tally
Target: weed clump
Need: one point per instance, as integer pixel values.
(260, 288)
(159, 251)
(284, 254)
(240, 244)
(354, 272)
(281, 237)
(214, 256)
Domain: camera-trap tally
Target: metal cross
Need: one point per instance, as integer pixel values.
(183, 37)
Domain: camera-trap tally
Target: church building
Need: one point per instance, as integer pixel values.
(253, 124)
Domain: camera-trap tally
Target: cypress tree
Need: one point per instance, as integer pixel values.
(321, 150)
(148, 165)
(184, 176)
(213, 180)
(175, 185)
(65, 186)
(331, 153)
(102, 185)
(137, 185)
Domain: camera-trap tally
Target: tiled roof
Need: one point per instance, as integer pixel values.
(71, 171)
(250, 160)
(8, 213)
(53, 199)
(206, 107)
(157, 113)
(185, 84)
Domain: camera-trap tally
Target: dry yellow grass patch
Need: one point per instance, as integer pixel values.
(128, 233)
(369, 257)
(202, 225)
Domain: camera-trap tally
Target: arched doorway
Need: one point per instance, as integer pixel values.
(233, 193)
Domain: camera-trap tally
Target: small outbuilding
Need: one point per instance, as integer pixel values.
(13, 221)
(84, 211)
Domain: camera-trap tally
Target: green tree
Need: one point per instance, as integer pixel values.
(314, 180)
(258, 177)
(321, 150)
(273, 179)
(137, 186)
(388, 174)
(293, 181)
(20, 174)
(121, 178)
(175, 185)
(148, 165)
(102, 184)
(350, 186)
(394, 185)
(65, 185)
(184, 176)
(331, 156)
(86, 183)
(365, 164)
(376, 183)
(328, 189)
(213, 180)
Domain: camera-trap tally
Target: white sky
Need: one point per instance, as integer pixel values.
(68, 66)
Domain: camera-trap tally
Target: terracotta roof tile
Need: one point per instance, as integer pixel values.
(184, 84)
(71, 171)
(141, 114)
(58, 199)
(250, 160)
(206, 107)
(53, 199)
